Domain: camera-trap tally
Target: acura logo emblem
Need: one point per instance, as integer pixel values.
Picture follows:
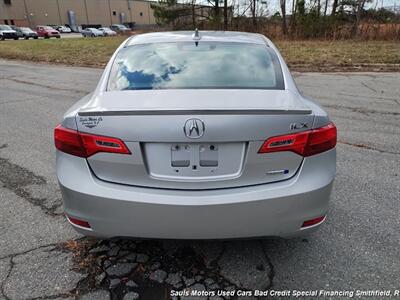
(194, 128)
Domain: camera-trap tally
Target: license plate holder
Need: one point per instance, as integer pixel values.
(203, 155)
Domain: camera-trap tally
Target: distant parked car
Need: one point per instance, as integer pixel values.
(107, 31)
(91, 32)
(63, 29)
(47, 32)
(119, 28)
(28, 33)
(6, 32)
(17, 30)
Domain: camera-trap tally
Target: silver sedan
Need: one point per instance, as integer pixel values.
(107, 31)
(196, 135)
(91, 32)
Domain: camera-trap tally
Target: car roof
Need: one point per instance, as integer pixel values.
(183, 36)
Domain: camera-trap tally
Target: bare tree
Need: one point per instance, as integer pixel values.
(216, 10)
(225, 14)
(194, 13)
(283, 9)
(253, 12)
(293, 13)
(293, 16)
(334, 7)
(216, 15)
(326, 7)
(360, 8)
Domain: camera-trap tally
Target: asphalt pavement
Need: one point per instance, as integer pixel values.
(42, 257)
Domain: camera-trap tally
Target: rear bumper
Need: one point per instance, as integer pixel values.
(275, 209)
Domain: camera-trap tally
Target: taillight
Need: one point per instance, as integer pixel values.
(321, 139)
(304, 143)
(84, 144)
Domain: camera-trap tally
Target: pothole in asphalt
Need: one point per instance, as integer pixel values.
(151, 269)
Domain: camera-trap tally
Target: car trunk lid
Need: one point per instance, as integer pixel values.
(233, 124)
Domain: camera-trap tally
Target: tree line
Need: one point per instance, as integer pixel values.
(296, 19)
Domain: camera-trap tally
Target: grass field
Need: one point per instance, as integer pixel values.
(300, 55)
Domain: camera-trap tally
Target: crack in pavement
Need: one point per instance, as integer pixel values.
(271, 273)
(361, 110)
(12, 263)
(369, 97)
(21, 101)
(23, 182)
(48, 248)
(11, 255)
(350, 76)
(43, 85)
(19, 180)
(368, 87)
(367, 147)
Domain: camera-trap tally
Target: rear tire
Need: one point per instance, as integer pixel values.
(16, 38)
(35, 37)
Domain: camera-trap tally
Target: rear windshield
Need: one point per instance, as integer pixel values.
(190, 65)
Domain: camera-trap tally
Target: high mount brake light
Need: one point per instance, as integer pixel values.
(304, 143)
(84, 144)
